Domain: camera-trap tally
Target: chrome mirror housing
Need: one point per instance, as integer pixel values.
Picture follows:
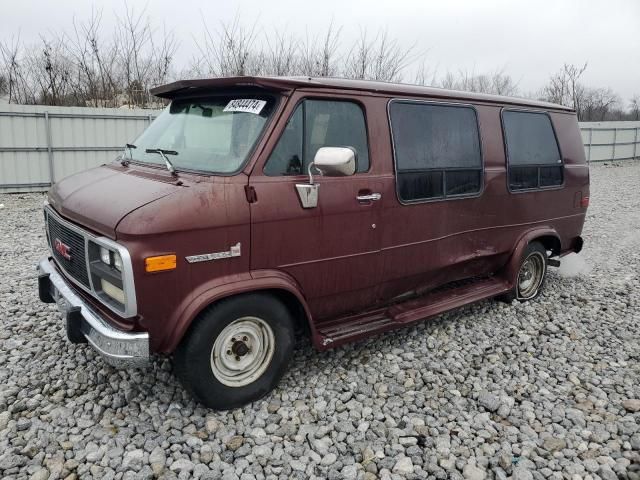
(336, 161)
(329, 161)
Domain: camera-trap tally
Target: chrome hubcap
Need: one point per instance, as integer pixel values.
(242, 351)
(531, 275)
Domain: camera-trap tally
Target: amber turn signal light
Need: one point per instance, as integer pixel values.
(160, 263)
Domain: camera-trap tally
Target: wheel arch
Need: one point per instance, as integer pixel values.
(275, 283)
(546, 235)
(551, 243)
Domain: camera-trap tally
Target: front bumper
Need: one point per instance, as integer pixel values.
(84, 324)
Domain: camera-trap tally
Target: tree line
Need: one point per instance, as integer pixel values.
(88, 67)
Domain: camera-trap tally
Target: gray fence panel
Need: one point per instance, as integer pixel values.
(41, 144)
(607, 141)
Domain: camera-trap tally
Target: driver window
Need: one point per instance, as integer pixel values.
(315, 124)
(286, 158)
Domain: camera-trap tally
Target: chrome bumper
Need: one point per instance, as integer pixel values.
(119, 348)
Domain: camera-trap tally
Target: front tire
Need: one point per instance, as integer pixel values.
(236, 351)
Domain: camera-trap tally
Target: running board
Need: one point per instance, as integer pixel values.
(337, 332)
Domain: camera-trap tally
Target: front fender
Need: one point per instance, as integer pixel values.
(513, 265)
(228, 286)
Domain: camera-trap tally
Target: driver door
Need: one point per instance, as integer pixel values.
(332, 250)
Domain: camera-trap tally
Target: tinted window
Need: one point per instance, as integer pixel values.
(286, 158)
(437, 150)
(315, 124)
(532, 150)
(417, 185)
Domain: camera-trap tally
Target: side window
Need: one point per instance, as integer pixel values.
(437, 150)
(286, 158)
(532, 150)
(315, 124)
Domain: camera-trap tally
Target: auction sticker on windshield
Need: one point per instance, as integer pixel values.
(248, 105)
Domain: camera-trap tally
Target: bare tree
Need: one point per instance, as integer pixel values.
(380, 58)
(359, 59)
(498, 82)
(280, 55)
(229, 50)
(564, 87)
(81, 68)
(590, 104)
(96, 62)
(503, 84)
(162, 53)
(425, 75)
(52, 72)
(319, 57)
(634, 109)
(144, 60)
(233, 49)
(20, 87)
(597, 103)
(90, 67)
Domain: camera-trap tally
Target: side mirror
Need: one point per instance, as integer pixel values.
(335, 161)
(329, 161)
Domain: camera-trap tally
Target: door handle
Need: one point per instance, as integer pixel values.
(371, 197)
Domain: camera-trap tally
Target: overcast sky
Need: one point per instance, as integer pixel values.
(528, 39)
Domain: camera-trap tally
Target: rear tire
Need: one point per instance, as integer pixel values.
(236, 351)
(531, 274)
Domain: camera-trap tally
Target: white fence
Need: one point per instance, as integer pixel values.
(604, 141)
(40, 144)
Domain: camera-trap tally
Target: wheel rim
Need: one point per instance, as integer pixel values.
(531, 275)
(242, 351)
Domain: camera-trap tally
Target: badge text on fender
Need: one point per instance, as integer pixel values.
(234, 251)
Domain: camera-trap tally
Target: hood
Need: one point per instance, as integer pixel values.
(100, 197)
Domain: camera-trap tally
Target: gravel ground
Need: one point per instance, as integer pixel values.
(547, 389)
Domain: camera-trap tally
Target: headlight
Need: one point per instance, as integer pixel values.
(117, 261)
(105, 255)
(106, 268)
(111, 258)
(111, 275)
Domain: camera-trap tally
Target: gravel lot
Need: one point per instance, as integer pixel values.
(548, 389)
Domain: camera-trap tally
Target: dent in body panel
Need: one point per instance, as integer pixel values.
(435, 242)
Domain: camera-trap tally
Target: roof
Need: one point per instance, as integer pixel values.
(180, 87)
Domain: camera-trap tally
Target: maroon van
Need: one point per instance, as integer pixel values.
(255, 210)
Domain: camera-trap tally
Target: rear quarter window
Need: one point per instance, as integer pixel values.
(533, 155)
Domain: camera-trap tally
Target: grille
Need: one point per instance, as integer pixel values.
(77, 266)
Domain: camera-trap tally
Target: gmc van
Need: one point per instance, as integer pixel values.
(255, 210)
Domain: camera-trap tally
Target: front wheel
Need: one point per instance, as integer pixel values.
(236, 351)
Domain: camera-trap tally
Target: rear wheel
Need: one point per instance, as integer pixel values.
(236, 351)
(531, 274)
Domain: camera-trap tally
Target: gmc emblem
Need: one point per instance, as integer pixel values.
(62, 248)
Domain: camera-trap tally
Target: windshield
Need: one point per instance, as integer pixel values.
(212, 134)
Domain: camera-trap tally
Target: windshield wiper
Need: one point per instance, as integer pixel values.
(123, 161)
(163, 153)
